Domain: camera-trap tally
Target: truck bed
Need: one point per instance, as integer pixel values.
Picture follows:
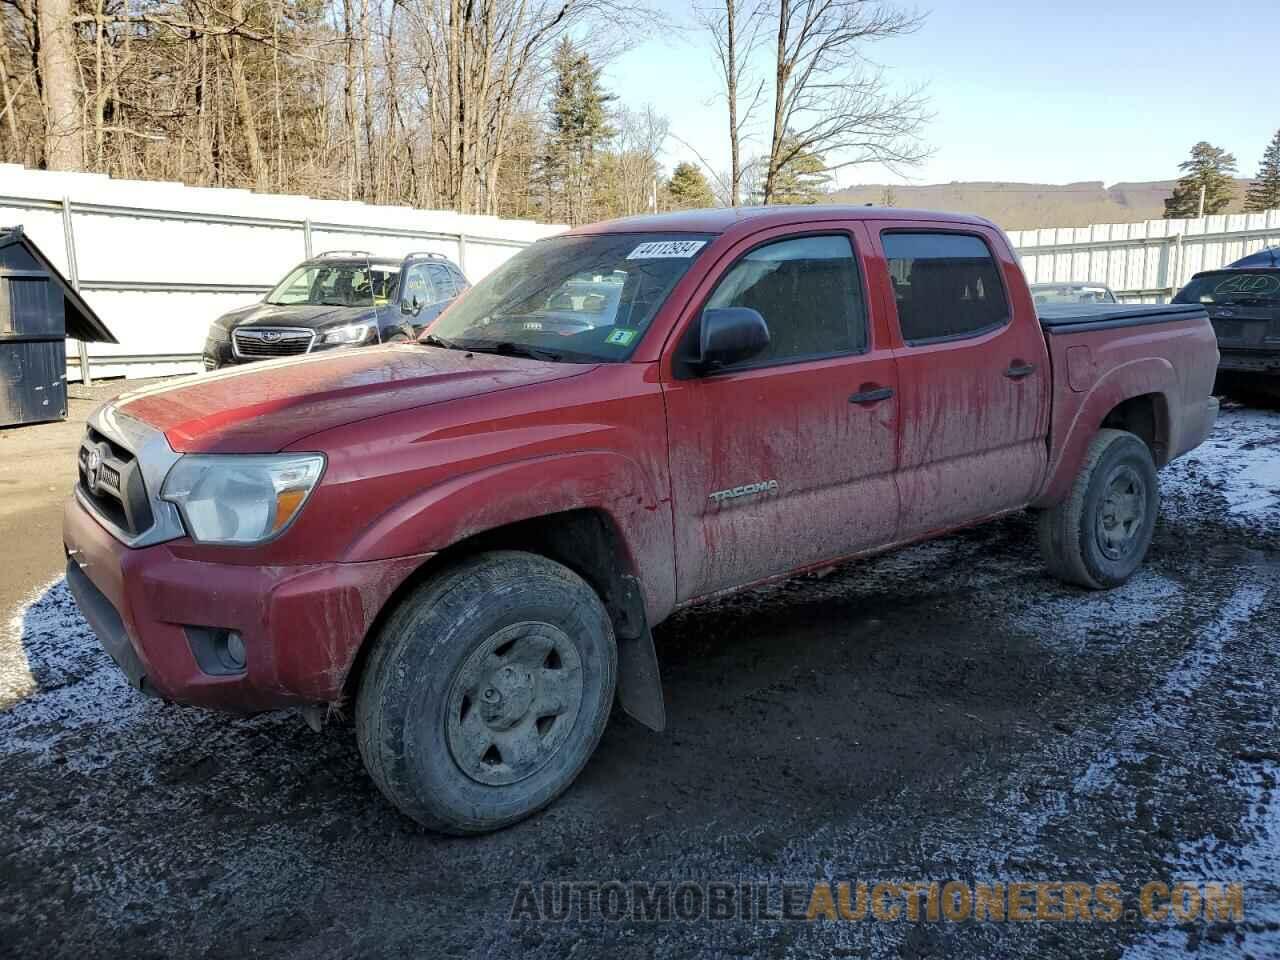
(1059, 318)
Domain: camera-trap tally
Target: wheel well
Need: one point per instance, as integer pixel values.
(586, 541)
(1147, 417)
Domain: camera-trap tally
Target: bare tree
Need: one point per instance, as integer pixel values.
(637, 143)
(734, 28)
(60, 81)
(829, 99)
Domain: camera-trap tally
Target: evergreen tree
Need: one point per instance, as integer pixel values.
(1210, 168)
(801, 179)
(578, 128)
(1264, 192)
(688, 188)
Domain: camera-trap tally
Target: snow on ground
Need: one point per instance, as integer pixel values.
(1007, 794)
(1240, 462)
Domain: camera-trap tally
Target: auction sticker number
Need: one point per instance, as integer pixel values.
(660, 249)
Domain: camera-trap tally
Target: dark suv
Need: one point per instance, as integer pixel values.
(345, 298)
(1243, 300)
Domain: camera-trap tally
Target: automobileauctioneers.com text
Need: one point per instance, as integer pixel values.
(925, 901)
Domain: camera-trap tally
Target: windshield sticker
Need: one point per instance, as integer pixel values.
(665, 249)
(621, 338)
(1255, 283)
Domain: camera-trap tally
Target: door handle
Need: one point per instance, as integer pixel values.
(873, 394)
(1018, 369)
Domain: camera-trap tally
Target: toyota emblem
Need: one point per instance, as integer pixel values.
(92, 462)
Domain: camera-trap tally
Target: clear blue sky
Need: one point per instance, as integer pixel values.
(1052, 91)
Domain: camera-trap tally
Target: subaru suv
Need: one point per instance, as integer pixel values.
(345, 298)
(1243, 301)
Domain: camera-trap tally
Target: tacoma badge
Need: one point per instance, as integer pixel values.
(746, 490)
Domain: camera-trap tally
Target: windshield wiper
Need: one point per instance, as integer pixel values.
(431, 340)
(510, 348)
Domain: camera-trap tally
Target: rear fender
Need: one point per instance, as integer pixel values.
(463, 506)
(1078, 426)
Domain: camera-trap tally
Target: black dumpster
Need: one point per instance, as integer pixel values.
(38, 311)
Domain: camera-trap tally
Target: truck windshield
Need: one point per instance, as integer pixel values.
(1260, 289)
(580, 299)
(351, 284)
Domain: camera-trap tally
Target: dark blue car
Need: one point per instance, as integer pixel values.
(345, 298)
(1243, 301)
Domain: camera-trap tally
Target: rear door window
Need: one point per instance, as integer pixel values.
(946, 285)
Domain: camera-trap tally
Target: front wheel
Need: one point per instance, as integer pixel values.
(486, 692)
(1098, 536)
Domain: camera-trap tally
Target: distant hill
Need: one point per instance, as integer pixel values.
(1022, 206)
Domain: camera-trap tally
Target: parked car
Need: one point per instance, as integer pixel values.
(1072, 291)
(1243, 301)
(345, 298)
(468, 539)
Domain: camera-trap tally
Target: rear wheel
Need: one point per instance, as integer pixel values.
(486, 692)
(1099, 535)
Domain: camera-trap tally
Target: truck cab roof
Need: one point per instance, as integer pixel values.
(721, 219)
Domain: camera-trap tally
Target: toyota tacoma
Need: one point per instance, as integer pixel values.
(468, 539)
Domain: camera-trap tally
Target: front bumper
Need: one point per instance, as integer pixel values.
(302, 626)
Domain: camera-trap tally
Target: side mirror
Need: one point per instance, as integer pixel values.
(729, 335)
(411, 307)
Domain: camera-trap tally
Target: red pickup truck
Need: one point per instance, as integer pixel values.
(470, 537)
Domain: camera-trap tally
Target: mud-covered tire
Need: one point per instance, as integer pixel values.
(1099, 535)
(460, 661)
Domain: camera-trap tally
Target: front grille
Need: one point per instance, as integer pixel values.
(110, 479)
(254, 343)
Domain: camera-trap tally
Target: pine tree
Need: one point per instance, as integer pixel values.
(1210, 168)
(802, 179)
(1264, 192)
(688, 188)
(578, 127)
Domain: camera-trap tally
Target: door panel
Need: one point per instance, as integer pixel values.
(832, 461)
(774, 467)
(973, 405)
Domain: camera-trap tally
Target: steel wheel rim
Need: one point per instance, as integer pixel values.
(514, 702)
(1122, 512)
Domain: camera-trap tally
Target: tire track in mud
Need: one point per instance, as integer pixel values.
(945, 712)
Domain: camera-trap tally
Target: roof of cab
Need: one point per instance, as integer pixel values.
(720, 219)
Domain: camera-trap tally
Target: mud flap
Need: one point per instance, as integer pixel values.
(639, 683)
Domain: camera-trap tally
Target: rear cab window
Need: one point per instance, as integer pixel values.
(946, 286)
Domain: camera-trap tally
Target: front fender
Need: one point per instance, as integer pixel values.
(1077, 424)
(472, 503)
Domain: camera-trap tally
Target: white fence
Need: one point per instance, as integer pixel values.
(159, 261)
(1143, 262)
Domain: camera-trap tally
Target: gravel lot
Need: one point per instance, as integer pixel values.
(947, 712)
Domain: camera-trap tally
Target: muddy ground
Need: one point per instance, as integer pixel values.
(37, 469)
(944, 713)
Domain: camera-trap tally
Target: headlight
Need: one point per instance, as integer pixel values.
(351, 333)
(241, 499)
(219, 334)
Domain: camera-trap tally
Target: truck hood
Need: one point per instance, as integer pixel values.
(265, 407)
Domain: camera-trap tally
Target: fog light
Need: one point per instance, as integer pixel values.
(235, 650)
(218, 651)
